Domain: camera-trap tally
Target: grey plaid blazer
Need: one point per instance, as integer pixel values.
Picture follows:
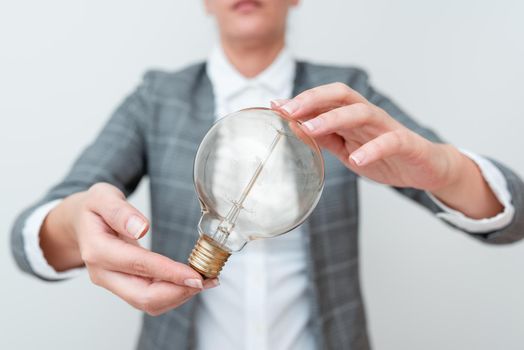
(156, 132)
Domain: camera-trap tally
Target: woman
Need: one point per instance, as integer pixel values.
(297, 291)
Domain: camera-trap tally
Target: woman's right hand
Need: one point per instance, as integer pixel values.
(99, 229)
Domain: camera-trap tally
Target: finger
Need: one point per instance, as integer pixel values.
(211, 283)
(300, 133)
(117, 255)
(208, 283)
(132, 241)
(385, 145)
(152, 297)
(320, 99)
(275, 104)
(110, 203)
(340, 119)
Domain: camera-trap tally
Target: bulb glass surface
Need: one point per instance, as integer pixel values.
(257, 175)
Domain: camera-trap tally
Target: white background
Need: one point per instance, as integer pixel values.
(455, 65)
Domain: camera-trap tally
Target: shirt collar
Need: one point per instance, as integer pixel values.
(227, 81)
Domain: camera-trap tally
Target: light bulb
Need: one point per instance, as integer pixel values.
(257, 175)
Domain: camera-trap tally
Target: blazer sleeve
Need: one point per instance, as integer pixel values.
(512, 232)
(117, 156)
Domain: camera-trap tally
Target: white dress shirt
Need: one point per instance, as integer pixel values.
(263, 302)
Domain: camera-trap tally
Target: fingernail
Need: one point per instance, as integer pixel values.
(194, 283)
(291, 107)
(278, 102)
(358, 157)
(135, 226)
(208, 284)
(313, 124)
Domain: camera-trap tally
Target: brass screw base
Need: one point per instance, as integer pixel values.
(207, 257)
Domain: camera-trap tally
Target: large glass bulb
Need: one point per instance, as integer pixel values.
(257, 175)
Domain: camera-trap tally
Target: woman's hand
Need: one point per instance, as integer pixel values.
(373, 144)
(99, 229)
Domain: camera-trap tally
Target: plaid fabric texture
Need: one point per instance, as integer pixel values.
(156, 131)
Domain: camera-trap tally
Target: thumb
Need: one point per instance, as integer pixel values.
(110, 203)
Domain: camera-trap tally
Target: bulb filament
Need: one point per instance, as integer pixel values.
(228, 223)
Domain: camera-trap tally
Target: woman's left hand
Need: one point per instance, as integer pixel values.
(373, 144)
(369, 141)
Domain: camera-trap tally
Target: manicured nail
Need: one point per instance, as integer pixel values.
(358, 157)
(208, 284)
(135, 226)
(278, 102)
(313, 124)
(291, 107)
(194, 283)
